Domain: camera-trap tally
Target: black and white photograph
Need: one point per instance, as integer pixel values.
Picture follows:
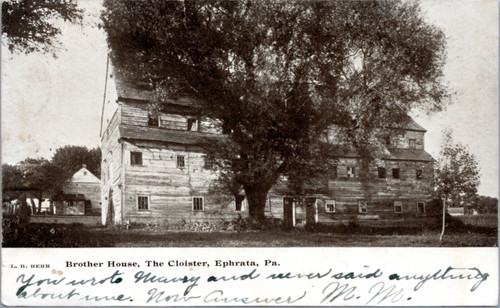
(192, 143)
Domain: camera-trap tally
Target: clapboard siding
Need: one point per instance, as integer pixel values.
(91, 191)
(170, 188)
(137, 114)
(111, 168)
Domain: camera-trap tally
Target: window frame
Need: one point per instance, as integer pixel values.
(423, 207)
(202, 204)
(362, 206)
(178, 159)
(209, 163)
(381, 172)
(419, 174)
(353, 172)
(412, 143)
(397, 204)
(398, 172)
(154, 120)
(192, 124)
(330, 202)
(133, 162)
(148, 204)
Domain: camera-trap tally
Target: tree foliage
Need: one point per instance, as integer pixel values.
(28, 25)
(70, 159)
(49, 176)
(457, 175)
(278, 74)
(486, 205)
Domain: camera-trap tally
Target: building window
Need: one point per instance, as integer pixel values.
(381, 172)
(153, 120)
(180, 161)
(198, 204)
(421, 207)
(418, 174)
(412, 143)
(135, 158)
(209, 163)
(351, 172)
(142, 203)
(395, 173)
(398, 207)
(330, 206)
(192, 124)
(362, 205)
(239, 203)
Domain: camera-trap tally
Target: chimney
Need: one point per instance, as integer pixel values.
(84, 166)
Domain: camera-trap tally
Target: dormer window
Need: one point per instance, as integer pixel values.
(192, 124)
(412, 143)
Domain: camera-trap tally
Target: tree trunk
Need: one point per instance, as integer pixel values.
(444, 221)
(256, 203)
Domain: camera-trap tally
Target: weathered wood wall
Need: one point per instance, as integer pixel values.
(91, 191)
(137, 114)
(169, 188)
(111, 167)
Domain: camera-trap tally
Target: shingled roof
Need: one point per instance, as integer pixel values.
(408, 154)
(165, 135)
(128, 90)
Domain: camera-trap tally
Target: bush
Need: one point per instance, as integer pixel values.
(15, 234)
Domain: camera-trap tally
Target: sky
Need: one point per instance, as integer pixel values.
(48, 102)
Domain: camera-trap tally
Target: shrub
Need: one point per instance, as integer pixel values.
(17, 234)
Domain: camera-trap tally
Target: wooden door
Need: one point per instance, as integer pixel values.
(288, 212)
(311, 211)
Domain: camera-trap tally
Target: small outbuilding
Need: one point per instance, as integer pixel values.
(82, 194)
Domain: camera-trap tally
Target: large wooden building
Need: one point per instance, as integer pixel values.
(154, 170)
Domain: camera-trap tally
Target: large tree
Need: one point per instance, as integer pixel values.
(28, 25)
(71, 158)
(278, 74)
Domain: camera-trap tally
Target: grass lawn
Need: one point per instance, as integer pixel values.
(77, 235)
(138, 238)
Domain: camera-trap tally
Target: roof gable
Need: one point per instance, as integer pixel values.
(84, 176)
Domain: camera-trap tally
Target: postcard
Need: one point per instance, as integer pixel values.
(249, 153)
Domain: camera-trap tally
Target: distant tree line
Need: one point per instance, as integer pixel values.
(48, 176)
